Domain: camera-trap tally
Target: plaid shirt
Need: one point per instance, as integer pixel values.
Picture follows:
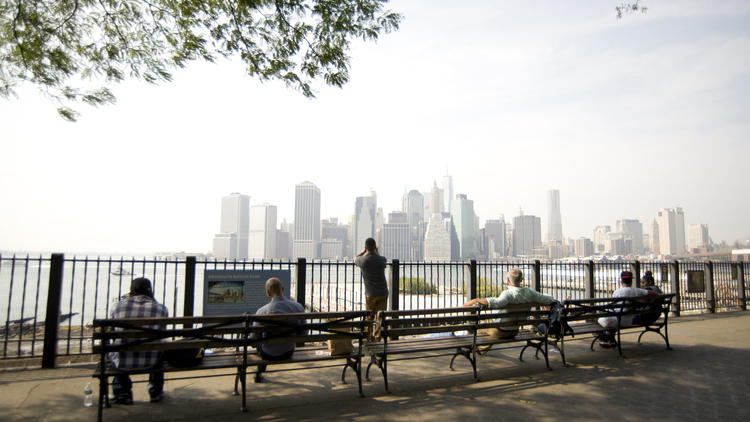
(139, 306)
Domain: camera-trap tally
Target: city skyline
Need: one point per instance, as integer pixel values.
(624, 117)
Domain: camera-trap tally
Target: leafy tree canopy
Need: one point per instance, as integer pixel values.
(57, 45)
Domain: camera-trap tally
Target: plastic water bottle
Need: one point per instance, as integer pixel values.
(88, 395)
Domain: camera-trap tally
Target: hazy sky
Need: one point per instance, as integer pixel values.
(624, 117)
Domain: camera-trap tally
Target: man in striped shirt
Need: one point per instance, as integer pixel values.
(139, 303)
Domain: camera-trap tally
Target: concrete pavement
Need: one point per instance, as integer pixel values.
(705, 377)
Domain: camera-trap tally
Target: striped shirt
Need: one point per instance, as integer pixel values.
(138, 306)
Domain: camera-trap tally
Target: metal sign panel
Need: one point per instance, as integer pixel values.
(233, 292)
(695, 281)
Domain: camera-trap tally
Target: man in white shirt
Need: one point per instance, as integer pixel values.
(626, 290)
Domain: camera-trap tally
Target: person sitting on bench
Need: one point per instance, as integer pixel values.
(515, 294)
(626, 290)
(277, 304)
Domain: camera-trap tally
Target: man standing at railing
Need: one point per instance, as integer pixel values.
(515, 294)
(140, 303)
(376, 288)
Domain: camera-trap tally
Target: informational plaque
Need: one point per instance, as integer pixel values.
(695, 283)
(233, 292)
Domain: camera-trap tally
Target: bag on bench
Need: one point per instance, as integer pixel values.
(184, 358)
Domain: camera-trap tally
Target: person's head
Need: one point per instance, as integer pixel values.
(370, 245)
(515, 277)
(647, 279)
(274, 288)
(141, 286)
(626, 278)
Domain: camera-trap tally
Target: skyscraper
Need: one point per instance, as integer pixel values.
(395, 243)
(447, 191)
(365, 209)
(632, 229)
(698, 236)
(495, 233)
(263, 231)
(413, 206)
(527, 235)
(601, 239)
(671, 231)
(306, 220)
(235, 220)
(436, 199)
(462, 211)
(554, 222)
(437, 240)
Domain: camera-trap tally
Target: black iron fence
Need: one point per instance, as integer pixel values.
(73, 291)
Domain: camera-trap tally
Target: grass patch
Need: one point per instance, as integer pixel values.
(416, 286)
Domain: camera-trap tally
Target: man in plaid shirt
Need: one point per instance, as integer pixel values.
(140, 303)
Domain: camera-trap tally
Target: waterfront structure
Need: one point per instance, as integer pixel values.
(306, 221)
(437, 240)
(365, 209)
(584, 247)
(462, 212)
(527, 235)
(263, 231)
(698, 237)
(413, 206)
(601, 239)
(671, 231)
(235, 219)
(554, 222)
(632, 229)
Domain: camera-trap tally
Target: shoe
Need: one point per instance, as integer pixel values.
(258, 378)
(126, 399)
(157, 398)
(606, 345)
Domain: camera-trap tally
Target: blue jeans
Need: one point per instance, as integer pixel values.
(123, 386)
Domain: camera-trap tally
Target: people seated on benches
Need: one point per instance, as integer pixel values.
(626, 290)
(277, 304)
(647, 282)
(140, 303)
(515, 294)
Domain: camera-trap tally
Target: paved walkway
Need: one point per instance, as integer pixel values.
(705, 377)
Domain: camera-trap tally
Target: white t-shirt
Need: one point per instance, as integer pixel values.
(611, 322)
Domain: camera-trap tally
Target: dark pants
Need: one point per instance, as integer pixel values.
(123, 386)
(266, 356)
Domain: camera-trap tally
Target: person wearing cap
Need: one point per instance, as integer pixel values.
(376, 287)
(516, 293)
(626, 290)
(139, 303)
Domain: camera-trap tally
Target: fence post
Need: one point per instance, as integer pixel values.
(52, 318)
(635, 268)
(537, 276)
(394, 287)
(710, 292)
(302, 281)
(741, 285)
(675, 274)
(589, 288)
(189, 301)
(472, 279)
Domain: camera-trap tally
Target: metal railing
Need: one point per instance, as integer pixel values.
(76, 290)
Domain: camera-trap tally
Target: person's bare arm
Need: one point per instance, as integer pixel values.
(474, 302)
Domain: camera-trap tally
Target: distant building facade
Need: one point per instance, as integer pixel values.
(365, 214)
(437, 240)
(413, 206)
(698, 237)
(527, 235)
(262, 231)
(235, 220)
(554, 224)
(306, 221)
(671, 231)
(633, 230)
(462, 212)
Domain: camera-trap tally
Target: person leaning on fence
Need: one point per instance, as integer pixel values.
(626, 290)
(515, 294)
(140, 303)
(376, 288)
(277, 304)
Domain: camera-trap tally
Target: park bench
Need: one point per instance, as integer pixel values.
(416, 334)
(232, 340)
(580, 317)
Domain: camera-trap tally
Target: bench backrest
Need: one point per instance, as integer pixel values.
(513, 317)
(592, 309)
(139, 334)
(428, 321)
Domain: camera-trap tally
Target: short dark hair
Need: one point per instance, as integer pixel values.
(370, 244)
(648, 277)
(141, 286)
